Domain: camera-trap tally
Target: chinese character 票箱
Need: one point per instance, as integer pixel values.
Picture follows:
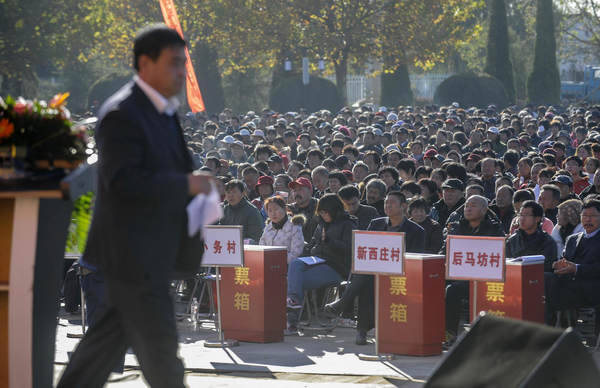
(398, 312)
(397, 285)
(241, 301)
(495, 292)
(242, 276)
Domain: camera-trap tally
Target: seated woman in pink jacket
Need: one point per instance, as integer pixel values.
(281, 229)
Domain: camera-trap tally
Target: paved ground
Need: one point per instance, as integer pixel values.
(315, 359)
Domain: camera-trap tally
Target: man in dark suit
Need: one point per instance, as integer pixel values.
(363, 285)
(575, 281)
(138, 233)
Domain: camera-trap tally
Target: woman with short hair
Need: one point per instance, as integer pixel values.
(281, 229)
(568, 222)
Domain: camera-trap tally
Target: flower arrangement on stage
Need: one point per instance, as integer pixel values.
(35, 135)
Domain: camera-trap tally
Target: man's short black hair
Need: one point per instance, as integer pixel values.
(592, 203)
(339, 176)
(232, 184)
(151, 40)
(392, 171)
(476, 187)
(250, 170)
(554, 190)
(407, 165)
(348, 192)
(215, 160)
(418, 203)
(398, 194)
(411, 187)
(536, 208)
(512, 157)
(523, 195)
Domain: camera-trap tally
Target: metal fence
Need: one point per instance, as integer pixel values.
(424, 85)
(356, 88)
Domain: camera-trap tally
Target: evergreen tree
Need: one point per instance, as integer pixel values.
(543, 85)
(209, 77)
(395, 87)
(498, 62)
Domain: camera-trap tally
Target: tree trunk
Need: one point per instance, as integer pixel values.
(209, 78)
(341, 71)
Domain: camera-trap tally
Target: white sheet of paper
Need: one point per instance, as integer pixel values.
(204, 210)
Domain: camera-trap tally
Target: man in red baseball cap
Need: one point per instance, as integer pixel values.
(305, 204)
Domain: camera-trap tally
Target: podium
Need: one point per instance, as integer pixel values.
(521, 296)
(253, 297)
(34, 221)
(410, 309)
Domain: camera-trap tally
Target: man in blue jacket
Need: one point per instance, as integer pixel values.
(575, 280)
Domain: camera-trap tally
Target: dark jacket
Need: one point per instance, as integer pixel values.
(440, 211)
(414, 234)
(379, 206)
(433, 235)
(489, 187)
(487, 227)
(312, 220)
(584, 252)
(540, 243)
(551, 214)
(365, 215)
(588, 191)
(336, 249)
(139, 227)
(505, 218)
(247, 215)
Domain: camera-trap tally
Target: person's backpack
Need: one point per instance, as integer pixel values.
(71, 289)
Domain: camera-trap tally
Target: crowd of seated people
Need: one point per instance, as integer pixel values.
(306, 180)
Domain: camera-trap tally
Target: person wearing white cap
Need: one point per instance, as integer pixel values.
(238, 155)
(228, 140)
(259, 133)
(244, 132)
(494, 136)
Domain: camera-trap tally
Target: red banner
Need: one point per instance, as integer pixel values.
(194, 96)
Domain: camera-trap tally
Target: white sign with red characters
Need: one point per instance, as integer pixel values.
(223, 246)
(475, 258)
(378, 252)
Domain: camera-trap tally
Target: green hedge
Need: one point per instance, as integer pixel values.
(469, 89)
(395, 88)
(291, 95)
